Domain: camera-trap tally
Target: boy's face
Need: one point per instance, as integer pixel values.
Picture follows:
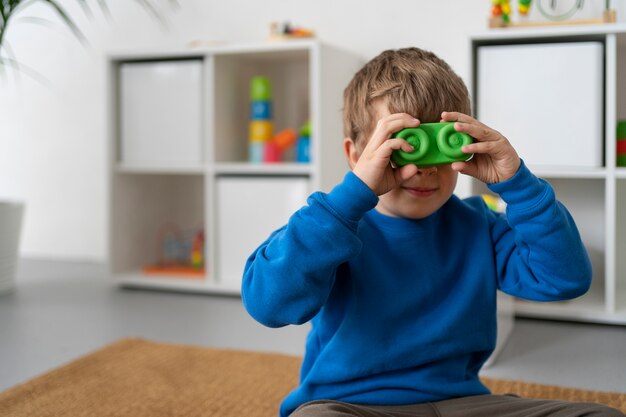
(420, 195)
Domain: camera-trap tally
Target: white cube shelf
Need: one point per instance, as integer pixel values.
(560, 93)
(179, 136)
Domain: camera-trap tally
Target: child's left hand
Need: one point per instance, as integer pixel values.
(495, 160)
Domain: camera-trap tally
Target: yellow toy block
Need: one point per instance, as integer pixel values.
(261, 130)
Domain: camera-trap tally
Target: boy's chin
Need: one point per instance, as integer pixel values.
(412, 213)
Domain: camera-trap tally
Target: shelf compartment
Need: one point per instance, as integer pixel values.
(160, 112)
(584, 198)
(245, 217)
(146, 209)
(530, 123)
(620, 245)
(620, 75)
(288, 72)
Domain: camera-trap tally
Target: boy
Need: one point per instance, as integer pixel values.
(398, 275)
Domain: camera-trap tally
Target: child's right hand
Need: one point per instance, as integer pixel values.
(374, 167)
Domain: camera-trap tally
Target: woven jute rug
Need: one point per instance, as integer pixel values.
(139, 378)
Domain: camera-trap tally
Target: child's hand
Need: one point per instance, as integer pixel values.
(373, 166)
(495, 160)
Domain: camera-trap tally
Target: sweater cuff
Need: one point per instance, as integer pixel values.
(351, 198)
(522, 188)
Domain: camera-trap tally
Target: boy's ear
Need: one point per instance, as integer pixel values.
(352, 153)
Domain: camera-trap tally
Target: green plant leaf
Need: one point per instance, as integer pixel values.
(68, 21)
(9, 8)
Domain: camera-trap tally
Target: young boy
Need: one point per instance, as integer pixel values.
(398, 276)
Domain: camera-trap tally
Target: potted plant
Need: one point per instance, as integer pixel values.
(12, 212)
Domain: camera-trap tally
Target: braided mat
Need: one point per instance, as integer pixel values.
(139, 378)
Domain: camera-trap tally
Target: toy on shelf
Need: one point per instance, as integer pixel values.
(261, 126)
(197, 250)
(285, 30)
(523, 7)
(434, 144)
(621, 143)
(501, 14)
(501, 11)
(494, 203)
(281, 142)
(180, 253)
(303, 146)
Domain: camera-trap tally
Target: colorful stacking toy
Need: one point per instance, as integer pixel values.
(261, 126)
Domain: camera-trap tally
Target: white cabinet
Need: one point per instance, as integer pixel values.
(557, 94)
(160, 110)
(564, 81)
(249, 209)
(179, 134)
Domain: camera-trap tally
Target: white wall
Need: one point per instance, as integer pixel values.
(53, 135)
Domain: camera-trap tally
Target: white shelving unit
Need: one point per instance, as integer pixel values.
(214, 187)
(595, 195)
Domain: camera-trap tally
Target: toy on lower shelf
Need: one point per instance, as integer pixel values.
(621, 143)
(180, 254)
(433, 143)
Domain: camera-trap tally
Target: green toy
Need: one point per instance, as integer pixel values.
(260, 89)
(434, 143)
(621, 143)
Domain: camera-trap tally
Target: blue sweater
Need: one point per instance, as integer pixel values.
(404, 311)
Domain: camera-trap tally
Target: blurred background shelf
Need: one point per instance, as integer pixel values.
(559, 172)
(245, 168)
(180, 153)
(138, 279)
(568, 137)
(130, 168)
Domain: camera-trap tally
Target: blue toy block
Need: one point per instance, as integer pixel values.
(303, 149)
(260, 110)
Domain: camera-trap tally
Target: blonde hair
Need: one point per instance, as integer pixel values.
(410, 80)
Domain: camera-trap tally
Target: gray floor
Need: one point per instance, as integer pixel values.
(64, 310)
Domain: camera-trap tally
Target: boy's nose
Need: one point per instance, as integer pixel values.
(426, 170)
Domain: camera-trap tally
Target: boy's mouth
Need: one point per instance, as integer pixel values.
(420, 191)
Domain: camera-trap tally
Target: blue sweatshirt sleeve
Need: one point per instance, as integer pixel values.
(539, 253)
(289, 277)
